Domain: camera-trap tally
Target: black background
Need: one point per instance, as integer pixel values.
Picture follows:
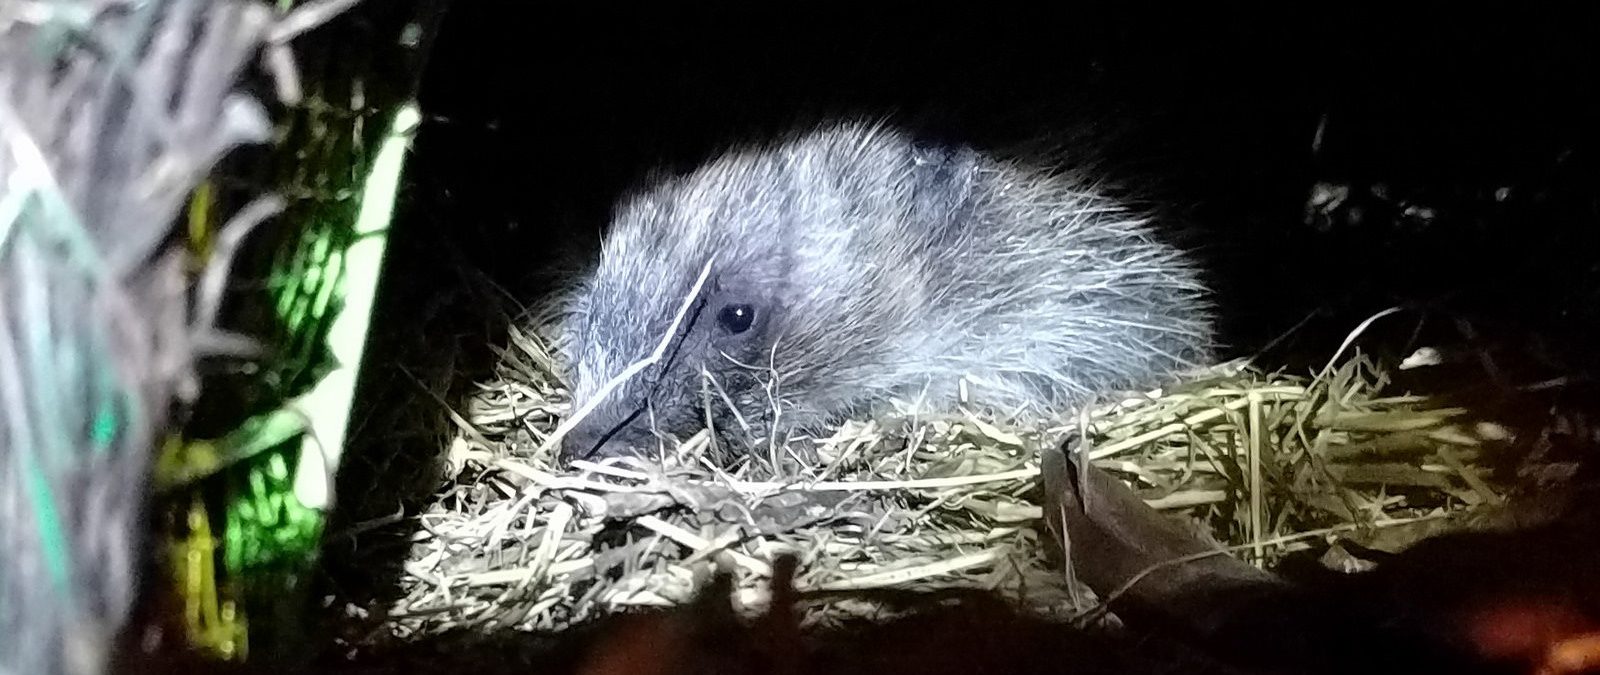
(541, 117)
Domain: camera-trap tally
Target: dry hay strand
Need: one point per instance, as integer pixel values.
(1261, 462)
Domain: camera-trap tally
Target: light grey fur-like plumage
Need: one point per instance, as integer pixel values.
(878, 267)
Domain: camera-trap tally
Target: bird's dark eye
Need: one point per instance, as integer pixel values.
(736, 318)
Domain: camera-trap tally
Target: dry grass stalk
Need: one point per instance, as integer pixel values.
(1263, 462)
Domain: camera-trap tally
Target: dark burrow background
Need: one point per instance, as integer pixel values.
(1463, 139)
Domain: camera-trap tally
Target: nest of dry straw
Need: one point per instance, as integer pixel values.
(1264, 462)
